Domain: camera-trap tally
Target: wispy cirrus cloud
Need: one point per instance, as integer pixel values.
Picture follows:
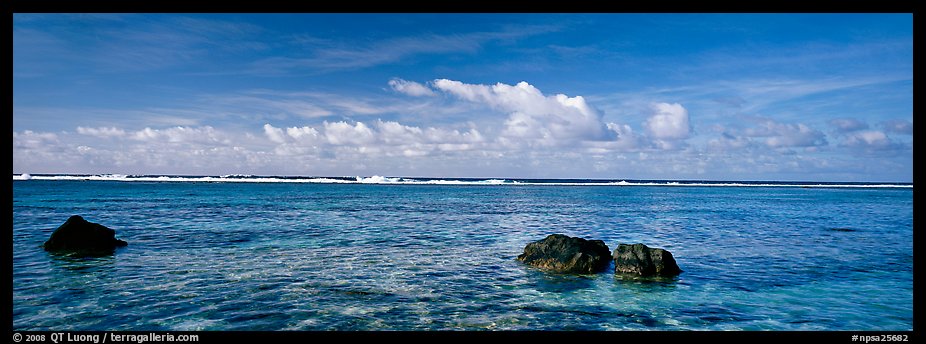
(238, 109)
(175, 41)
(117, 43)
(326, 55)
(794, 60)
(311, 104)
(33, 52)
(55, 118)
(410, 88)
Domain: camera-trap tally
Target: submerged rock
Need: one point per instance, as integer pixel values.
(642, 260)
(77, 234)
(565, 254)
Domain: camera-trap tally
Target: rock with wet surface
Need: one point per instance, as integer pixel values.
(639, 259)
(564, 254)
(79, 235)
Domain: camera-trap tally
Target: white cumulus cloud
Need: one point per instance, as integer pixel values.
(871, 141)
(868, 137)
(845, 125)
(533, 115)
(370, 137)
(783, 135)
(274, 134)
(390, 132)
(410, 88)
(395, 133)
(102, 132)
(40, 152)
(728, 141)
(342, 133)
(668, 125)
(303, 133)
(150, 150)
(29, 139)
(898, 126)
(181, 134)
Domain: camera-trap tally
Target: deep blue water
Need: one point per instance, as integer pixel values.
(297, 256)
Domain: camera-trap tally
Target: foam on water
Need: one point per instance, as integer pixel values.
(238, 178)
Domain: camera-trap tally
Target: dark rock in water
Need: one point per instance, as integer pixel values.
(644, 261)
(78, 235)
(564, 254)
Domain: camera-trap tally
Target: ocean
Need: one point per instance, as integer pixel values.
(237, 252)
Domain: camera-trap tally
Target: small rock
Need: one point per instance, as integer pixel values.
(565, 254)
(77, 234)
(644, 261)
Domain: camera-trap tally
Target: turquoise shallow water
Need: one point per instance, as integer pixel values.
(285, 256)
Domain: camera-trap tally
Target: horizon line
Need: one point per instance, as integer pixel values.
(513, 179)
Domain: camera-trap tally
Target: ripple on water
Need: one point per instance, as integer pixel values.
(373, 257)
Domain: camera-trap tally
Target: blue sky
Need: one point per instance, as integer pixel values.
(819, 97)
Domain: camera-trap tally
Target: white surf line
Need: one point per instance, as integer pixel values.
(408, 181)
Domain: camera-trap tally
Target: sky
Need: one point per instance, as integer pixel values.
(790, 97)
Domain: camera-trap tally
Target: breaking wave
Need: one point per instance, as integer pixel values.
(246, 178)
